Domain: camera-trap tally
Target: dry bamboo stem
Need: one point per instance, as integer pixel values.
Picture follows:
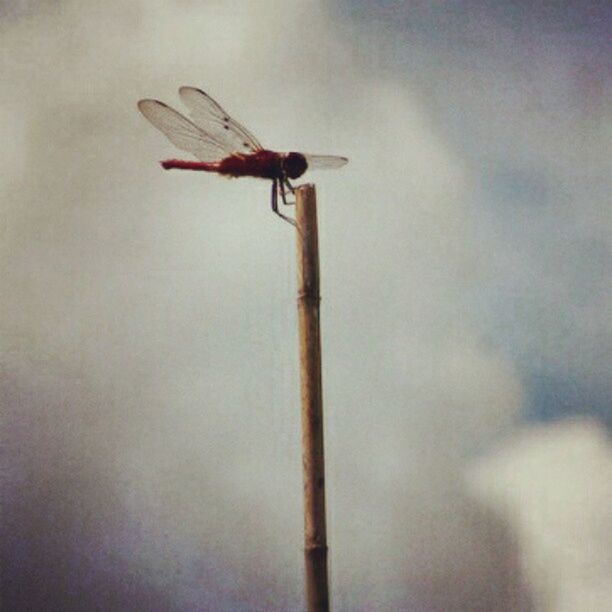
(315, 536)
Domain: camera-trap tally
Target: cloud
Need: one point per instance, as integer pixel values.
(522, 94)
(552, 484)
(150, 379)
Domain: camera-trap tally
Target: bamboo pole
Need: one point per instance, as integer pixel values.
(315, 536)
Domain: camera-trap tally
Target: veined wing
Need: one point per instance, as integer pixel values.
(211, 117)
(320, 162)
(182, 132)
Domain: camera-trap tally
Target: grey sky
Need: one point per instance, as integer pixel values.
(148, 318)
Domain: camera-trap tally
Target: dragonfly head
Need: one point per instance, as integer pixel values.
(294, 165)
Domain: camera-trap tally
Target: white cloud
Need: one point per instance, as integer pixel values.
(151, 376)
(553, 485)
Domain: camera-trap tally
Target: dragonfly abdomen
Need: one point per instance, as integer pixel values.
(182, 164)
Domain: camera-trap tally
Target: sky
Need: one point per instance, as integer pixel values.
(150, 405)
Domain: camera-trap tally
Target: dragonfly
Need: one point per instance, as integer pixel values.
(224, 146)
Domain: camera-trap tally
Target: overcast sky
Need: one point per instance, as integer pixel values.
(149, 351)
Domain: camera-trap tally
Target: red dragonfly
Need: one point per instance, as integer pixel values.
(224, 146)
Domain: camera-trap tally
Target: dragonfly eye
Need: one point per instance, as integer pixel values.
(294, 165)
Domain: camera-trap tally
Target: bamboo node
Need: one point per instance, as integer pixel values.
(315, 548)
(306, 296)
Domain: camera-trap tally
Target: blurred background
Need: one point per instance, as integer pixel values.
(150, 410)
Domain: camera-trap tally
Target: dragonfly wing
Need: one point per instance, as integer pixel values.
(319, 162)
(182, 132)
(211, 117)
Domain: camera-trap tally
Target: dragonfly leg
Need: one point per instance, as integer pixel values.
(285, 182)
(288, 184)
(275, 186)
(281, 183)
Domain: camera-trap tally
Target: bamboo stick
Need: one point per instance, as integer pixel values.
(315, 536)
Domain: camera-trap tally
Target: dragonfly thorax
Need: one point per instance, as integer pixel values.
(294, 165)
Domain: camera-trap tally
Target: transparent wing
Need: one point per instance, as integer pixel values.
(319, 162)
(182, 132)
(211, 117)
